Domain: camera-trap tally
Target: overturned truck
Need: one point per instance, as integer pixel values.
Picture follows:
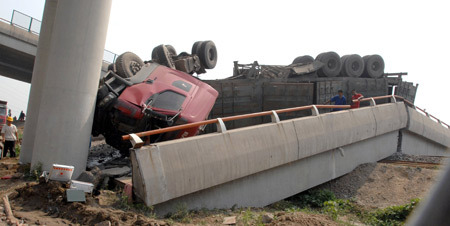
(135, 95)
(306, 81)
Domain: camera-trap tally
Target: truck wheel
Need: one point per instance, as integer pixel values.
(128, 64)
(171, 50)
(162, 55)
(306, 59)
(196, 48)
(208, 54)
(332, 64)
(374, 66)
(352, 65)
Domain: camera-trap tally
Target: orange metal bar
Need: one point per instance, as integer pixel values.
(170, 129)
(229, 118)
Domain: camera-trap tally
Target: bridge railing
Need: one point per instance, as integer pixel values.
(26, 22)
(137, 142)
(33, 25)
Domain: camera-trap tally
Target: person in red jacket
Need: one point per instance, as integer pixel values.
(356, 96)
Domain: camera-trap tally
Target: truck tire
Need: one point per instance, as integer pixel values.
(172, 50)
(306, 59)
(196, 48)
(162, 55)
(128, 64)
(352, 65)
(332, 64)
(373, 66)
(208, 54)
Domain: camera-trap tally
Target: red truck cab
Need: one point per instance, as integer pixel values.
(155, 97)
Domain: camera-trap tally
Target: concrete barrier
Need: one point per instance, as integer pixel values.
(171, 169)
(334, 130)
(390, 117)
(427, 128)
(415, 144)
(168, 170)
(266, 187)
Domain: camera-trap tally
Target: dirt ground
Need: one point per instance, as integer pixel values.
(379, 185)
(374, 185)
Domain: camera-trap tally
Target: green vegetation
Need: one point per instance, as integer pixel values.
(32, 173)
(393, 215)
(124, 204)
(325, 202)
(181, 214)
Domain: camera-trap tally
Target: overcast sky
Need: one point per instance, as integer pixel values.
(411, 36)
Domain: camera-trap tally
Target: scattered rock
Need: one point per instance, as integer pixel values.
(229, 220)
(117, 172)
(398, 156)
(267, 218)
(93, 176)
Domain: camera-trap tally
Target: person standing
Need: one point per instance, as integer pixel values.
(338, 100)
(9, 137)
(21, 116)
(356, 97)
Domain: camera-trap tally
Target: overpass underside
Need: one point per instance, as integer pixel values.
(258, 165)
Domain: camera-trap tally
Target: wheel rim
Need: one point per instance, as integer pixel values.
(211, 54)
(135, 67)
(376, 66)
(332, 64)
(355, 66)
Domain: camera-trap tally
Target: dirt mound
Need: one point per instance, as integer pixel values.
(44, 202)
(382, 185)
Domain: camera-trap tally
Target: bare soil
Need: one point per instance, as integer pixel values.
(379, 185)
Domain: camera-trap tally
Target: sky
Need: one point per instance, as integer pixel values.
(411, 36)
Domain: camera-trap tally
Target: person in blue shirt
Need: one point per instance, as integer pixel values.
(338, 100)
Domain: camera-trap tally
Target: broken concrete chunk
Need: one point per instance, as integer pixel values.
(229, 220)
(94, 176)
(116, 172)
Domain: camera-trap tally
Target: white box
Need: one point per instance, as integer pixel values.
(61, 172)
(85, 186)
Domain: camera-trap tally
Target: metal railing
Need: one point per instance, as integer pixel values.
(26, 22)
(274, 115)
(33, 25)
(220, 121)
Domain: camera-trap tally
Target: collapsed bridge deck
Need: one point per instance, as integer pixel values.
(258, 165)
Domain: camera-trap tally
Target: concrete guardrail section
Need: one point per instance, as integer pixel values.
(424, 136)
(258, 165)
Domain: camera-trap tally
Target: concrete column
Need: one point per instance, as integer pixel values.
(64, 83)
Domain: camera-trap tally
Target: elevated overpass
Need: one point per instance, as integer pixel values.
(258, 165)
(18, 45)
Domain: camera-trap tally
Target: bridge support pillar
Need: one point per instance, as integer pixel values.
(64, 83)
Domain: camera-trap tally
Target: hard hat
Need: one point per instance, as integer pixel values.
(9, 119)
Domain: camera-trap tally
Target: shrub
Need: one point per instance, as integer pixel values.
(393, 215)
(314, 198)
